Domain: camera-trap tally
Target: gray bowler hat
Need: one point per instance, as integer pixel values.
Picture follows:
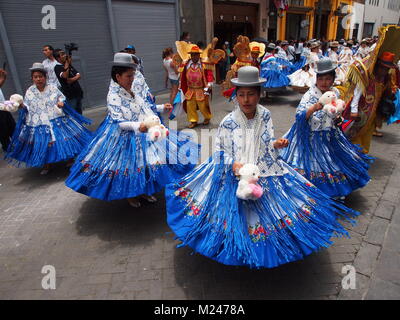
(37, 66)
(122, 59)
(271, 45)
(325, 65)
(248, 77)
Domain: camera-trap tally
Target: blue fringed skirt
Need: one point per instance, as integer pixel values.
(120, 164)
(291, 220)
(34, 146)
(275, 78)
(327, 159)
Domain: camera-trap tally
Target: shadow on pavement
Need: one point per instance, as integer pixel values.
(203, 278)
(31, 178)
(380, 167)
(120, 223)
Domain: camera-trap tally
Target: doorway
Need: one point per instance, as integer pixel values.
(232, 18)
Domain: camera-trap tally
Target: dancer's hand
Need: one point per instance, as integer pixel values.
(316, 107)
(60, 104)
(168, 106)
(143, 128)
(281, 143)
(236, 167)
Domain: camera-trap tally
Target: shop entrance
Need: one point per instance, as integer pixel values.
(232, 18)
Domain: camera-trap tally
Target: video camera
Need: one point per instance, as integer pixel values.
(69, 47)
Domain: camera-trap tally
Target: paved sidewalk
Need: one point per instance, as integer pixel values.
(108, 250)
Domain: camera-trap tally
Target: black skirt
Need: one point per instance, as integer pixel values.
(7, 127)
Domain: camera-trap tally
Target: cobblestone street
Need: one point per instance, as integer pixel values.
(109, 250)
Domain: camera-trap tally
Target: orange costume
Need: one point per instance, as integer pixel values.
(243, 51)
(193, 85)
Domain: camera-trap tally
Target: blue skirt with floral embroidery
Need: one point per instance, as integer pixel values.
(291, 220)
(326, 158)
(62, 140)
(120, 164)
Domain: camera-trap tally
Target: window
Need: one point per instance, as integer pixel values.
(368, 30)
(394, 5)
(296, 3)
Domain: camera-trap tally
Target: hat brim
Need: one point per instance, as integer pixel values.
(199, 52)
(124, 64)
(326, 71)
(237, 83)
(38, 69)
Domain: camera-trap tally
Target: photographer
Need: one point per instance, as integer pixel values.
(7, 123)
(68, 77)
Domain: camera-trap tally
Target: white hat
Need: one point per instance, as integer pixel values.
(122, 59)
(248, 77)
(324, 66)
(37, 66)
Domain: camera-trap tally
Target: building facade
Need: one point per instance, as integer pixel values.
(99, 28)
(380, 13)
(328, 19)
(323, 19)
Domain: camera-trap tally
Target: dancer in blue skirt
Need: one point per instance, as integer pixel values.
(290, 220)
(48, 130)
(318, 149)
(122, 162)
(271, 70)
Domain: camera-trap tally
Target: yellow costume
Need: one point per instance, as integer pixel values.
(367, 91)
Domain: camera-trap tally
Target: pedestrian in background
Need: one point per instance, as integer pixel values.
(69, 77)
(132, 50)
(171, 73)
(49, 63)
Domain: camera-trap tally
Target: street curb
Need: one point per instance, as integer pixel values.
(372, 245)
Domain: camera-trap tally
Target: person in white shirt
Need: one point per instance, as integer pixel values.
(363, 50)
(49, 63)
(291, 51)
(171, 73)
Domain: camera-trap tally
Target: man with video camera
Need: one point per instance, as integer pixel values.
(69, 77)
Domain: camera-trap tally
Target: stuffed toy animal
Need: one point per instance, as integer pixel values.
(332, 105)
(13, 104)
(247, 188)
(156, 130)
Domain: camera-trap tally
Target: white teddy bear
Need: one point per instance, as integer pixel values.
(156, 130)
(247, 188)
(332, 105)
(13, 104)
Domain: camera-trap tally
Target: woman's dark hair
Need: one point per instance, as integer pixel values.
(332, 74)
(258, 88)
(41, 71)
(118, 70)
(166, 52)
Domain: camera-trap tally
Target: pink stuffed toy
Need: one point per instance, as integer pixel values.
(332, 105)
(248, 189)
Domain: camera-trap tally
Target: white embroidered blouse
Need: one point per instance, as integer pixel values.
(250, 141)
(320, 120)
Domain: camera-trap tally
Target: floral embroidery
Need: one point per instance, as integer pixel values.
(321, 177)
